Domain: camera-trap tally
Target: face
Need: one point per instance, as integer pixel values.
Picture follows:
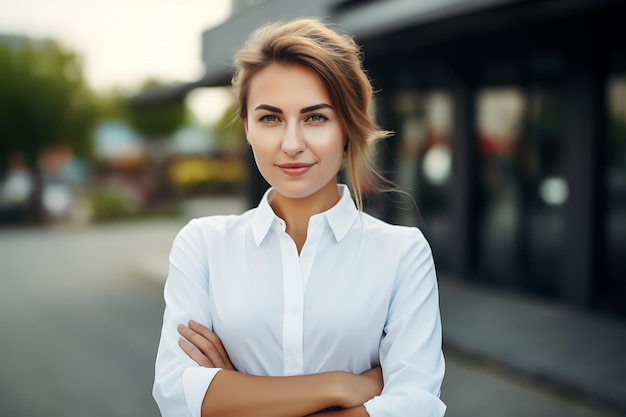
(294, 131)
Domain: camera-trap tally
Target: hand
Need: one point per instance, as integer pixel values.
(358, 389)
(203, 346)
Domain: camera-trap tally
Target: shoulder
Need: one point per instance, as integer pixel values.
(220, 222)
(215, 228)
(403, 249)
(398, 235)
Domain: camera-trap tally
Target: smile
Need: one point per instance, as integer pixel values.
(295, 169)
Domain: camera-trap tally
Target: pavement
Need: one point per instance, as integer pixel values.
(569, 352)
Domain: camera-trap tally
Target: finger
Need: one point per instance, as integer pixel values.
(197, 356)
(205, 346)
(214, 339)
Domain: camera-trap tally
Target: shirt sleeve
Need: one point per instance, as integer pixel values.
(180, 384)
(410, 351)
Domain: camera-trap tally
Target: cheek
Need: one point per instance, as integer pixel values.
(262, 161)
(260, 142)
(334, 147)
(264, 153)
(260, 154)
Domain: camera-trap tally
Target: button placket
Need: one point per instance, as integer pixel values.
(292, 308)
(314, 234)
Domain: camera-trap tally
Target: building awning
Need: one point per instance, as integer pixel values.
(177, 92)
(382, 17)
(364, 20)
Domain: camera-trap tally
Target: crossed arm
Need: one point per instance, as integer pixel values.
(233, 393)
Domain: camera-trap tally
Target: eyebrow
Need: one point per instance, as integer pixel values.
(303, 110)
(316, 107)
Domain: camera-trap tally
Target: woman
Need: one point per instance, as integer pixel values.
(306, 302)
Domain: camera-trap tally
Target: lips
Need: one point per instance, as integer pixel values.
(294, 169)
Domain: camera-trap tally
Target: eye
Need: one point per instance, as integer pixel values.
(270, 118)
(317, 118)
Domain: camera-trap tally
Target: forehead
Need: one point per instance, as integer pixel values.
(287, 84)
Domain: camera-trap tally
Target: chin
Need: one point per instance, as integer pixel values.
(295, 192)
(298, 188)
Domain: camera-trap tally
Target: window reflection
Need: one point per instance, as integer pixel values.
(524, 190)
(424, 161)
(554, 191)
(499, 121)
(615, 188)
(438, 164)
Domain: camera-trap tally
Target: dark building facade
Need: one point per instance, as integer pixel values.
(510, 136)
(510, 132)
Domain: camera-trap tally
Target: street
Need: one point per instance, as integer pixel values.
(79, 330)
(80, 322)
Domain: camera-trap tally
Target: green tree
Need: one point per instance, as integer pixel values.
(43, 102)
(111, 105)
(229, 130)
(158, 120)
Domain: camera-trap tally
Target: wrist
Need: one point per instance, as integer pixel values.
(338, 389)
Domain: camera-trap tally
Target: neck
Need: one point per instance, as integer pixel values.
(296, 212)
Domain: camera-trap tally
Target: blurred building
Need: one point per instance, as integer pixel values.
(510, 121)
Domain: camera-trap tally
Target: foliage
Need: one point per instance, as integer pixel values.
(110, 105)
(113, 203)
(44, 100)
(229, 128)
(159, 120)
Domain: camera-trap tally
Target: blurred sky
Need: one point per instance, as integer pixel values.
(122, 42)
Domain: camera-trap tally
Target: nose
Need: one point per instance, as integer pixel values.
(293, 142)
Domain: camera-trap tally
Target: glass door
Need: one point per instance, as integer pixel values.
(613, 293)
(521, 181)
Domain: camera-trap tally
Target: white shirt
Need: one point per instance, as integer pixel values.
(361, 293)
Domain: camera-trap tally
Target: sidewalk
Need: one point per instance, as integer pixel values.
(572, 351)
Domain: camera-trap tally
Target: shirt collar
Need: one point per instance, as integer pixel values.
(340, 217)
(263, 218)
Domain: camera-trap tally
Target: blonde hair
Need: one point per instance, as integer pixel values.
(337, 60)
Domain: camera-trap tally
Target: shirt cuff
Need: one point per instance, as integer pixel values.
(196, 382)
(410, 402)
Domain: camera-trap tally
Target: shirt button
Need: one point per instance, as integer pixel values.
(292, 363)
